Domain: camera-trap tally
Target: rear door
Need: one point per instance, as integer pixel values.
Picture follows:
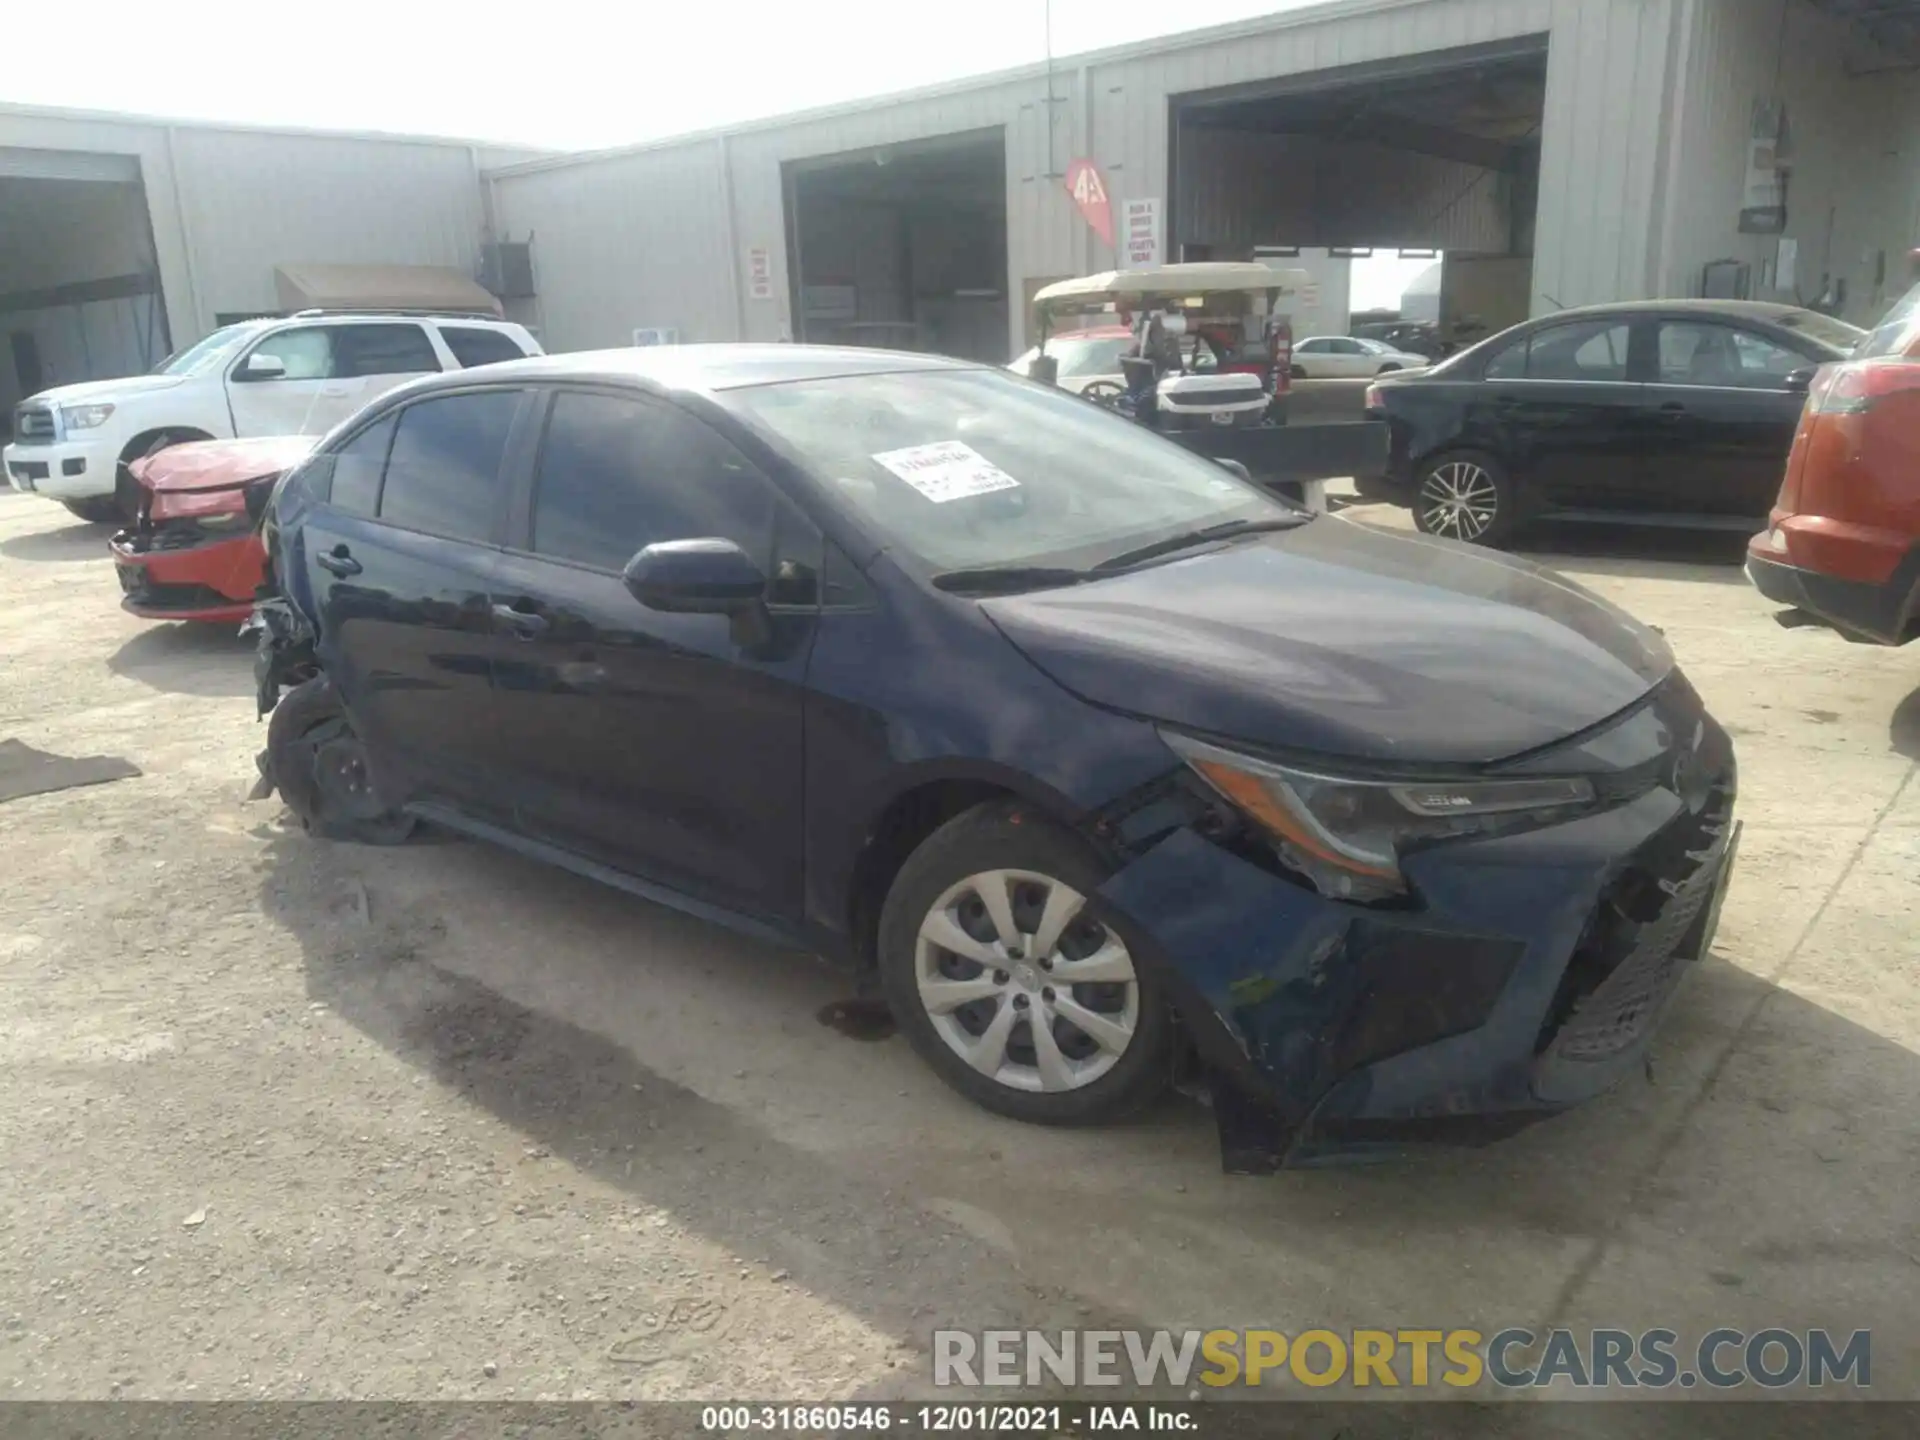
(1722, 418)
(399, 559)
(309, 397)
(666, 745)
(373, 357)
(1565, 413)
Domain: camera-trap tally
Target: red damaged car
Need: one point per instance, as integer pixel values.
(194, 552)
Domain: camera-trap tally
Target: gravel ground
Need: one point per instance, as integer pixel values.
(295, 1120)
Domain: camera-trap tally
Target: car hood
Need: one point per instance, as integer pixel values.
(87, 391)
(1347, 642)
(221, 464)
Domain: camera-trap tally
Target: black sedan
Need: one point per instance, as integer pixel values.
(1671, 412)
(1094, 759)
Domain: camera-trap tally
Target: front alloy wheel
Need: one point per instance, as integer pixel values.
(1460, 499)
(1023, 985)
(1005, 973)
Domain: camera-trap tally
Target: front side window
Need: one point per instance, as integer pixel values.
(364, 350)
(307, 354)
(970, 469)
(1701, 353)
(618, 474)
(444, 468)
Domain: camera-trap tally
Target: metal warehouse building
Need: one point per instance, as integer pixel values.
(1556, 152)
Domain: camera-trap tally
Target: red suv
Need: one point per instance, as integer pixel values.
(1843, 542)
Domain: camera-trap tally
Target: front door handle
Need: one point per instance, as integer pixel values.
(338, 561)
(523, 623)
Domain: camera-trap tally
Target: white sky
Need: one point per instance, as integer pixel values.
(561, 73)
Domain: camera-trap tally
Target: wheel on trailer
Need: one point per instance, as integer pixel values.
(320, 767)
(1012, 982)
(1464, 495)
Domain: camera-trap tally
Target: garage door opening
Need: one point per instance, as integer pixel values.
(903, 247)
(79, 291)
(1426, 169)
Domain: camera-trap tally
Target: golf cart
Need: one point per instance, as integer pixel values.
(1209, 367)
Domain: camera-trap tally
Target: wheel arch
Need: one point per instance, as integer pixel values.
(140, 444)
(924, 800)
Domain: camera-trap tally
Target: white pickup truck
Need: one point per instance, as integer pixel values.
(296, 376)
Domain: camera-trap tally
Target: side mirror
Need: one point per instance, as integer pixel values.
(263, 367)
(695, 577)
(1045, 369)
(1799, 381)
(1236, 467)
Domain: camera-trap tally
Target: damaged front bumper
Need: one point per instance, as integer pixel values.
(1530, 976)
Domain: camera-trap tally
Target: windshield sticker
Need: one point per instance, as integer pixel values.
(947, 470)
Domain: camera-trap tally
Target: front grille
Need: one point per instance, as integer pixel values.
(1635, 949)
(135, 583)
(33, 425)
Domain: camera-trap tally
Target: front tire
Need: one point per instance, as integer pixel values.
(320, 768)
(1012, 982)
(95, 510)
(1465, 495)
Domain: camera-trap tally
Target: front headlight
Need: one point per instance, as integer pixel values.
(84, 417)
(1347, 835)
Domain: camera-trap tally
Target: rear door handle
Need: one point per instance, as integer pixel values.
(338, 561)
(523, 623)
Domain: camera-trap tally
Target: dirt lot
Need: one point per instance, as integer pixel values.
(282, 1118)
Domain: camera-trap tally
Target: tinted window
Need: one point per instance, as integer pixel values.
(1509, 364)
(356, 469)
(616, 475)
(472, 346)
(307, 354)
(1699, 353)
(382, 350)
(1595, 350)
(445, 464)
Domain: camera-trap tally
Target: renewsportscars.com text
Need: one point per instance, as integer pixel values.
(1508, 1359)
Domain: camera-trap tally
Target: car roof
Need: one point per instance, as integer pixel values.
(1742, 309)
(709, 367)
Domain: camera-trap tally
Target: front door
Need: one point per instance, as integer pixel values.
(401, 563)
(1722, 419)
(308, 396)
(666, 745)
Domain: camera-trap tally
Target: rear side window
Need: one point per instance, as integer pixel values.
(1594, 350)
(361, 350)
(616, 475)
(357, 466)
(473, 346)
(445, 464)
(1700, 353)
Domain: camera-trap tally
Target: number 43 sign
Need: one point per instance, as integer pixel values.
(1089, 191)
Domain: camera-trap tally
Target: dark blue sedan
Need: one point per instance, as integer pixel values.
(1099, 763)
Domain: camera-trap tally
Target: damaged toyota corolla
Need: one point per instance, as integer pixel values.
(1104, 767)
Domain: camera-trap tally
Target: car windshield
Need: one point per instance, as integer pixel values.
(1835, 334)
(974, 469)
(1899, 332)
(1080, 357)
(205, 355)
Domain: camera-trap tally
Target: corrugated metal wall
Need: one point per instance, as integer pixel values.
(1854, 194)
(649, 233)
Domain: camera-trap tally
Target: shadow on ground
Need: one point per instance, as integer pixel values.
(1710, 557)
(188, 659)
(78, 541)
(1903, 734)
(1767, 1107)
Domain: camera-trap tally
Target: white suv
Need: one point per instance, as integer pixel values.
(298, 376)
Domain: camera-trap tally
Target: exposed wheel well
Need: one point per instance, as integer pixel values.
(908, 820)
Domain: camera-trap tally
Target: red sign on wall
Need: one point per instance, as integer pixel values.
(1089, 192)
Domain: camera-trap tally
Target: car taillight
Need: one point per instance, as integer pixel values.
(1376, 396)
(1857, 386)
